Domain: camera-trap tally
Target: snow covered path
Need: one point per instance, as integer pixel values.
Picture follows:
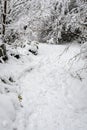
(52, 99)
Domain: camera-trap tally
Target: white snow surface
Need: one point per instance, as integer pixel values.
(54, 95)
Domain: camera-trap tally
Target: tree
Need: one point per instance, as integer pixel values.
(4, 17)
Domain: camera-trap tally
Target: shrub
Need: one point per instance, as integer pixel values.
(11, 36)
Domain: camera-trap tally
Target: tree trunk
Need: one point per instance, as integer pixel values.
(3, 54)
(4, 17)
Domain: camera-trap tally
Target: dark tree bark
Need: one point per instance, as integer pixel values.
(3, 54)
(4, 17)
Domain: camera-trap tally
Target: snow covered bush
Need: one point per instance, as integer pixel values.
(68, 35)
(76, 22)
(11, 36)
(50, 41)
(67, 22)
(22, 48)
(34, 47)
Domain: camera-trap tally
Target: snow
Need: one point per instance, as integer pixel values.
(53, 93)
(7, 113)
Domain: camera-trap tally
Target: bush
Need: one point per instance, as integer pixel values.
(65, 23)
(11, 36)
(68, 36)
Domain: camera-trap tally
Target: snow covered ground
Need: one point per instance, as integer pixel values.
(47, 91)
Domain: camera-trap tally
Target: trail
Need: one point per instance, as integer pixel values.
(52, 99)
